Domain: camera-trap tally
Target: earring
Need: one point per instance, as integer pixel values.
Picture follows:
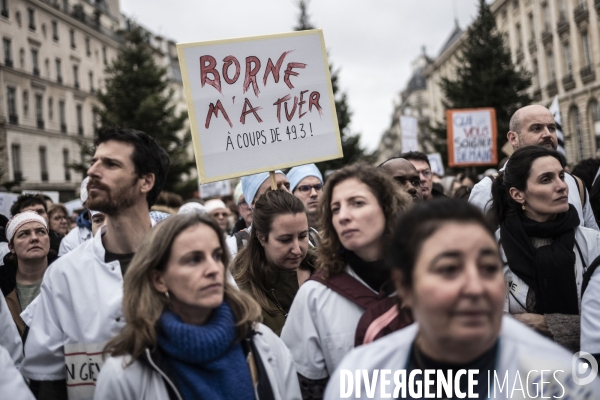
(523, 207)
(167, 294)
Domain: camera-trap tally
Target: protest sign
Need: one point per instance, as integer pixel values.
(259, 103)
(471, 137)
(6, 202)
(215, 189)
(435, 161)
(408, 127)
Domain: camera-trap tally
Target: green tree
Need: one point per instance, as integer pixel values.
(485, 77)
(137, 95)
(350, 142)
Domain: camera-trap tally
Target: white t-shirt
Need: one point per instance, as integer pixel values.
(320, 328)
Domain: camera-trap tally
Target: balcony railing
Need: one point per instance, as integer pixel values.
(13, 119)
(581, 13)
(8, 63)
(36, 71)
(40, 124)
(532, 46)
(587, 74)
(568, 82)
(520, 55)
(562, 26)
(547, 37)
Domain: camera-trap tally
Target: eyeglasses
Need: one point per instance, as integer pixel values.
(304, 189)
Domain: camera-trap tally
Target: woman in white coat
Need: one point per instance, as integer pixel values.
(357, 211)
(545, 250)
(189, 334)
(447, 268)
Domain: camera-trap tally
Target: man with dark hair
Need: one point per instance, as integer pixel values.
(421, 163)
(37, 203)
(405, 175)
(79, 308)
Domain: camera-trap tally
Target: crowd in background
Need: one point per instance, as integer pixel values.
(273, 290)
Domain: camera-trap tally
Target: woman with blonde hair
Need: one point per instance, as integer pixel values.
(189, 334)
(357, 211)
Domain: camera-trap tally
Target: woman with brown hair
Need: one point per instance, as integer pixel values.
(357, 212)
(58, 218)
(190, 334)
(276, 261)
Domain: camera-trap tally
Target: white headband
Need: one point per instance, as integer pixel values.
(20, 219)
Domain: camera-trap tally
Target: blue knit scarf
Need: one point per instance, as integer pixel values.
(206, 362)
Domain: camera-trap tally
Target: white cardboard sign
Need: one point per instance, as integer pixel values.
(259, 103)
(408, 126)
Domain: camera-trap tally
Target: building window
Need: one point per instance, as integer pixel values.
(66, 165)
(568, 62)
(95, 122)
(11, 98)
(536, 75)
(22, 58)
(39, 110)
(79, 119)
(62, 116)
(25, 103)
(76, 76)
(16, 162)
(551, 70)
(88, 49)
(595, 118)
(43, 164)
(587, 54)
(34, 62)
(4, 8)
(519, 41)
(72, 34)
(31, 15)
(50, 108)
(47, 66)
(7, 52)
(91, 77)
(55, 30)
(578, 130)
(531, 27)
(547, 19)
(104, 59)
(59, 77)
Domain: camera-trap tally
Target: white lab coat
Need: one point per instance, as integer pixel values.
(77, 312)
(74, 238)
(587, 241)
(521, 349)
(320, 328)
(482, 194)
(12, 384)
(140, 382)
(9, 335)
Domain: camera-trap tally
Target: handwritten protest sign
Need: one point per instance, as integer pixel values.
(408, 126)
(259, 103)
(471, 137)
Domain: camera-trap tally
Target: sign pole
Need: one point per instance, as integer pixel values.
(273, 180)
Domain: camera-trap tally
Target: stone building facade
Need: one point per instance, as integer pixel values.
(558, 41)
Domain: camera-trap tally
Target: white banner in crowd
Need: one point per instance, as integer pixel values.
(409, 127)
(555, 110)
(6, 201)
(471, 137)
(259, 103)
(437, 165)
(215, 189)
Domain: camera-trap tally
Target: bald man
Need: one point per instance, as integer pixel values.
(406, 176)
(534, 125)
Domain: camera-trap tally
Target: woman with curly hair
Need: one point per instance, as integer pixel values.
(357, 212)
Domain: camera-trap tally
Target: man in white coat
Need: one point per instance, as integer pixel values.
(534, 125)
(79, 307)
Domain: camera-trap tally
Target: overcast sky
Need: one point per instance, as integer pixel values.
(372, 42)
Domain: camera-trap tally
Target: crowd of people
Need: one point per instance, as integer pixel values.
(281, 288)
